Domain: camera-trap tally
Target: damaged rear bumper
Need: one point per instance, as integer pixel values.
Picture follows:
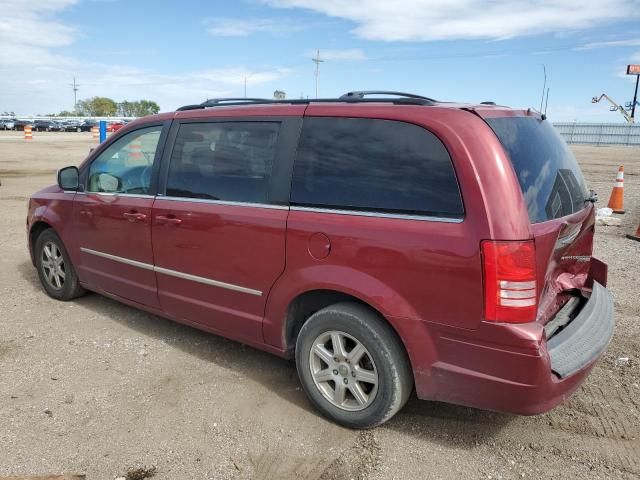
(583, 340)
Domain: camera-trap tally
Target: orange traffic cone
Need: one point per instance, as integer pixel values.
(635, 237)
(616, 201)
(135, 150)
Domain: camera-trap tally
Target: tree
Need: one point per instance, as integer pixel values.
(138, 108)
(126, 109)
(97, 107)
(147, 107)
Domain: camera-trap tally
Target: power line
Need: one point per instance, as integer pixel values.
(317, 61)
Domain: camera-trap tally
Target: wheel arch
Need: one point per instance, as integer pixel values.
(305, 304)
(34, 232)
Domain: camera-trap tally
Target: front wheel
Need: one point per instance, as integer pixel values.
(352, 365)
(57, 275)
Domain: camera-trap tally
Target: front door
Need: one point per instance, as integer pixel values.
(218, 234)
(112, 218)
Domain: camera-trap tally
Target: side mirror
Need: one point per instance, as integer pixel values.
(69, 178)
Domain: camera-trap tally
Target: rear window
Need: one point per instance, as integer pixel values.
(548, 173)
(374, 165)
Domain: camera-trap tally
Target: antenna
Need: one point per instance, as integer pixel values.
(317, 61)
(75, 92)
(546, 101)
(544, 85)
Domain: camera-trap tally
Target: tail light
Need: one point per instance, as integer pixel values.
(509, 281)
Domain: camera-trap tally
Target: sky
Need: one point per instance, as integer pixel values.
(182, 52)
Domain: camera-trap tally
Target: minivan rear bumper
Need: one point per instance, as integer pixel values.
(526, 375)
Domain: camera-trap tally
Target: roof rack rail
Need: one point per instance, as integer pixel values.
(360, 94)
(351, 97)
(212, 102)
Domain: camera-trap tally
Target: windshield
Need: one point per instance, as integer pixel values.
(548, 173)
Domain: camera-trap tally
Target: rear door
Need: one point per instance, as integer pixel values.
(562, 218)
(219, 229)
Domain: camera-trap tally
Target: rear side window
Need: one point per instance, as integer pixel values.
(223, 161)
(374, 165)
(548, 173)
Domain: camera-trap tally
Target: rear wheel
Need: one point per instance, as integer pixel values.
(353, 366)
(57, 275)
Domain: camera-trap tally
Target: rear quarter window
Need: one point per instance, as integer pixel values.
(550, 178)
(374, 165)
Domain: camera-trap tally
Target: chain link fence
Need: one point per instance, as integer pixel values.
(599, 133)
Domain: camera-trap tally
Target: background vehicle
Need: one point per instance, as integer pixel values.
(381, 242)
(19, 124)
(86, 126)
(7, 124)
(45, 126)
(115, 126)
(72, 125)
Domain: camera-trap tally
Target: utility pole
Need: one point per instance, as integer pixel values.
(634, 70)
(75, 92)
(317, 61)
(635, 98)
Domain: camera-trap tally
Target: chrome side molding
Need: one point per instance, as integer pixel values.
(173, 273)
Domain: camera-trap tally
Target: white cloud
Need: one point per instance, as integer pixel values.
(629, 42)
(241, 27)
(36, 79)
(351, 54)
(427, 20)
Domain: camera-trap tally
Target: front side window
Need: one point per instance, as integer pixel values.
(374, 165)
(126, 165)
(229, 161)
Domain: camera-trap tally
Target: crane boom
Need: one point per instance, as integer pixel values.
(617, 107)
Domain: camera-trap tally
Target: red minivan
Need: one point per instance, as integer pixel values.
(383, 240)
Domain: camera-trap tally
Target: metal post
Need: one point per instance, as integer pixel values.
(635, 98)
(317, 60)
(103, 130)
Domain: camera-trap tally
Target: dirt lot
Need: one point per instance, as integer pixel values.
(99, 388)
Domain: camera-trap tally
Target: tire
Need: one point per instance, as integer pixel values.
(78, 129)
(67, 287)
(384, 360)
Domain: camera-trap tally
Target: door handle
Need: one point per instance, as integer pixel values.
(134, 216)
(168, 219)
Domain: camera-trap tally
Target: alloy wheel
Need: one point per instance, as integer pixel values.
(343, 370)
(52, 264)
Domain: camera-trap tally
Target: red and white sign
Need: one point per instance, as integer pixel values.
(633, 69)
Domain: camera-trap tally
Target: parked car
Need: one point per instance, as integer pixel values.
(86, 126)
(72, 126)
(45, 126)
(20, 124)
(7, 124)
(115, 126)
(382, 242)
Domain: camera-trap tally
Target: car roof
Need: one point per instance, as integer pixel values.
(232, 107)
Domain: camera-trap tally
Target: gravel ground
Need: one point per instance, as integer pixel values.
(96, 387)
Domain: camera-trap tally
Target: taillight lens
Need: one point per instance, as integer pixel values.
(509, 281)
